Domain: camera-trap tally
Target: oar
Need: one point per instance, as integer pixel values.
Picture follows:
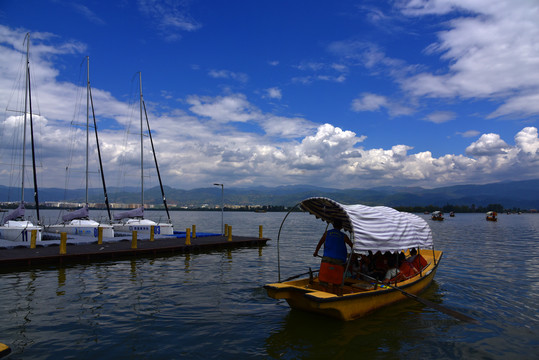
(428, 303)
(297, 276)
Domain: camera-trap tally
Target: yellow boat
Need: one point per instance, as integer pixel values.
(437, 216)
(371, 229)
(492, 216)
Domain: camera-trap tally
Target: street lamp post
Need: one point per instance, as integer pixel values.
(222, 207)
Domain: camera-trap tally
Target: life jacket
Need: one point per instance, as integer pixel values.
(334, 246)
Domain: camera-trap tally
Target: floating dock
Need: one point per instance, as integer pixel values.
(86, 249)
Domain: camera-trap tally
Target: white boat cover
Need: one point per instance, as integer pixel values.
(81, 213)
(135, 213)
(17, 213)
(377, 228)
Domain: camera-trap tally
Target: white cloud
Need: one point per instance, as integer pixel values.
(369, 102)
(228, 138)
(469, 133)
(223, 109)
(89, 14)
(374, 102)
(528, 141)
(169, 17)
(226, 74)
(491, 49)
(439, 117)
(274, 93)
(286, 127)
(488, 144)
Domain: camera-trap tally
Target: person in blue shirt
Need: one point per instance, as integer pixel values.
(335, 242)
(335, 255)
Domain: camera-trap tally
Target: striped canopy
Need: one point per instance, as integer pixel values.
(377, 228)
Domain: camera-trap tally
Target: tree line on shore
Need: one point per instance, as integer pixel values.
(281, 208)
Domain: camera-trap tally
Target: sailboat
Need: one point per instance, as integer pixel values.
(15, 227)
(133, 220)
(78, 222)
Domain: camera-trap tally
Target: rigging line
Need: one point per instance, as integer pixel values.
(99, 154)
(155, 159)
(72, 130)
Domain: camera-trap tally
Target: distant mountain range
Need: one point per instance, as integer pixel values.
(514, 194)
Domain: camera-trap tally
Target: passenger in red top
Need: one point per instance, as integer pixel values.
(417, 260)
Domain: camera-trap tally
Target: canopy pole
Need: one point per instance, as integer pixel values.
(349, 259)
(278, 238)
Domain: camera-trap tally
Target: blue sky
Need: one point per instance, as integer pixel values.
(346, 94)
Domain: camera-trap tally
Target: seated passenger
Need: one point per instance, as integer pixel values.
(354, 269)
(380, 265)
(417, 260)
(392, 270)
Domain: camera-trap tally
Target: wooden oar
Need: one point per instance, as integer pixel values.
(428, 303)
(297, 276)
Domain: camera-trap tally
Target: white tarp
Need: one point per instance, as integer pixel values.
(377, 228)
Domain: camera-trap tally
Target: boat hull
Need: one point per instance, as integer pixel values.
(82, 228)
(20, 231)
(359, 298)
(143, 226)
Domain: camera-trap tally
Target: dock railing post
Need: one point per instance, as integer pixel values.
(187, 236)
(226, 230)
(33, 239)
(260, 231)
(152, 233)
(63, 243)
(100, 235)
(229, 232)
(134, 240)
(194, 232)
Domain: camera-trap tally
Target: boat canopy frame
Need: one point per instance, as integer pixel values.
(371, 228)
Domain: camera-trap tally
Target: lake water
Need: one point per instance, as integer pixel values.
(213, 305)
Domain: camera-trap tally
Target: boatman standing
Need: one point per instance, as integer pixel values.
(335, 254)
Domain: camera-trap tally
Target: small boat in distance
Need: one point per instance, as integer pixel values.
(492, 216)
(15, 226)
(133, 220)
(371, 230)
(452, 214)
(437, 216)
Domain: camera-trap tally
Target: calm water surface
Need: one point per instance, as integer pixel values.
(213, 305)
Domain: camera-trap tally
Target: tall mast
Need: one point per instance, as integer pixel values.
(98, 149)
(87, 119)
(141, 146)
(36, 198)
(27, 39)
(156, 165)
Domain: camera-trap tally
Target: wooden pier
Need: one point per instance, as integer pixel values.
(118, 248)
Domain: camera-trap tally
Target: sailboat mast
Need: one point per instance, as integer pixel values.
(141, 146)
(87, 119)
(99, 151)
(156, 165)
(36, 198)
(27, 39)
